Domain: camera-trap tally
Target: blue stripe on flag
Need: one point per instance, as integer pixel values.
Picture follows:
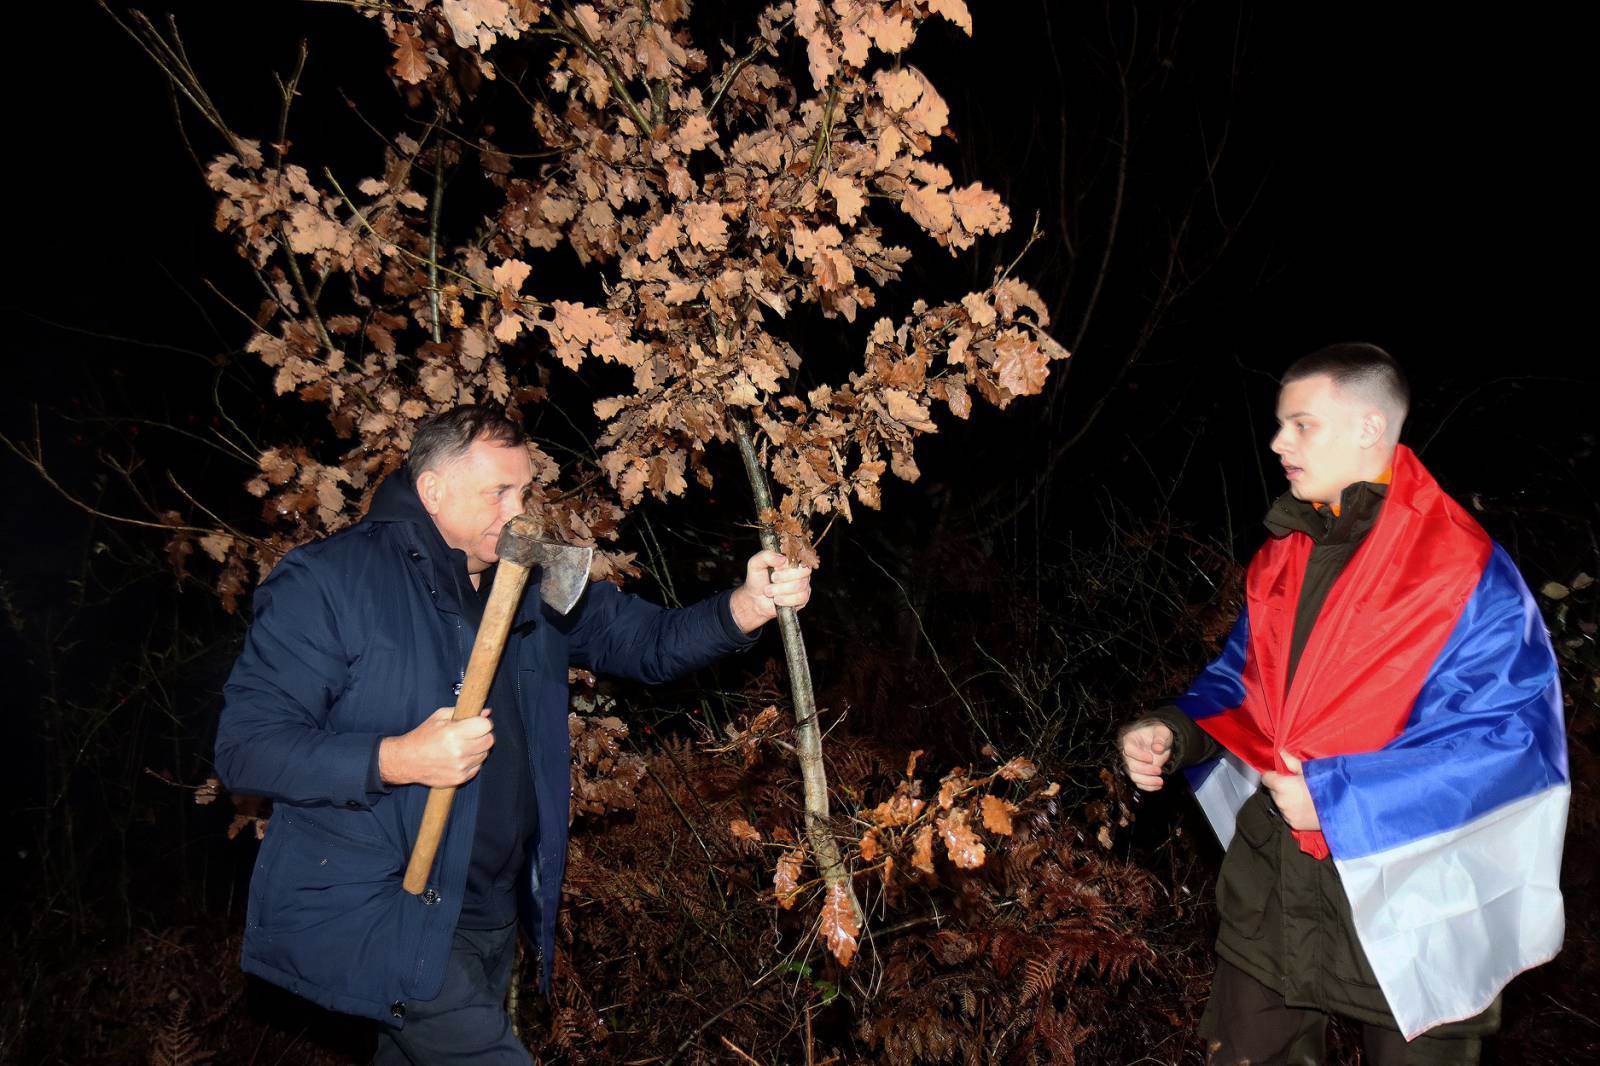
(1486, 730)
(1219, 688)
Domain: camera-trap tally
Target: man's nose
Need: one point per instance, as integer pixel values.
(1277, 444)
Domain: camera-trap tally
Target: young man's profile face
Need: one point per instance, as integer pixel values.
(1327, 439)
(472, 497)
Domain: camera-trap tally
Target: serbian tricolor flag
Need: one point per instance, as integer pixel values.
(1426, 708)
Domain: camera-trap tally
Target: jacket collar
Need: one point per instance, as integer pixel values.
(1352, 520)
(443, 568)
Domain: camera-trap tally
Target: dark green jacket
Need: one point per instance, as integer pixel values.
(1285, 919)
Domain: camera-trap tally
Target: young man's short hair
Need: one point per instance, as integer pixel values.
(444, 437)
(1362, 369)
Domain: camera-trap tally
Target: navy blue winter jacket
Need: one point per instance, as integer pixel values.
(362, 636)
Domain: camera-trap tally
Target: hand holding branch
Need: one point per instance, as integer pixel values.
(770, 582)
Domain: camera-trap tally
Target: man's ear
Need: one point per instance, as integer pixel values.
(1374, 425)
(430, 490)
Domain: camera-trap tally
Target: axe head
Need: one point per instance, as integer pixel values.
(564, 568)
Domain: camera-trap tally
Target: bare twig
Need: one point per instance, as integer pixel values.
(689, 1040)
(737, 1050)
(435, 206)
(170, 57)
(1124, 150)
(286, 91)
(35, 459)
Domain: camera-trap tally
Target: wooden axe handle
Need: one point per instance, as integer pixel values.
(503, 599)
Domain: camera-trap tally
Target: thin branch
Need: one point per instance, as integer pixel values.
(1167, 294)
(255, 327)
(738, 67)
(35, 459)
(117, 337)
(824, 144)
(1124, 149)
(305, 294)
(231, 530)
(711, 864)
(576, 35)
(434, 208)
(183, 130)
(174, 63)
(206, 442)
(739, 1051)
(548, 153)
(472, 286)
(367, 5)
(1033, 236)
(709, 1022)
(287, 93)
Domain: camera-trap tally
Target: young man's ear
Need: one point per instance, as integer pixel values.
(1373, 427)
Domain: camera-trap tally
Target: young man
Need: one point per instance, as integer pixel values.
(338, 709)
(1379, 746)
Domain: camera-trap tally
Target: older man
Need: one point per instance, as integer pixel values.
(338, 709)
(1379, 746)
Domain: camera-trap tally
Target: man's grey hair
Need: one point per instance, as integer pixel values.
(1362, 370)
(443, 438)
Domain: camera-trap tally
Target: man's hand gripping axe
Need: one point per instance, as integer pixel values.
(565, 574)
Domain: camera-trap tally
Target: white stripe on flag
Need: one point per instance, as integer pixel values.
(1223, 792)
(1448, 919)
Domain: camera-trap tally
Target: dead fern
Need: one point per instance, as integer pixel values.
(175, 1043)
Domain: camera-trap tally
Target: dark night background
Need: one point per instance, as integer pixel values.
(1408, 176)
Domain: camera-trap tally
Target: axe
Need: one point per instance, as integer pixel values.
(565, 576)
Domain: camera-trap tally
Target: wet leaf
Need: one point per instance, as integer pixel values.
(840, 924)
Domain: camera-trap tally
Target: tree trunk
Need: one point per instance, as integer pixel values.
(807, 732)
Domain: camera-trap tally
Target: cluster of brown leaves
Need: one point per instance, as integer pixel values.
(249, 812)
(396, 351)
(907, 825)
(903, 832)
(605, 779)
(717, 195)
(726, 195)
(1032, 952)
(747, 739)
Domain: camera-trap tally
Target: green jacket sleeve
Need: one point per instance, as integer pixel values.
(1190, 743)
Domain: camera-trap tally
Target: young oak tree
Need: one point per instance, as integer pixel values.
(720, 198)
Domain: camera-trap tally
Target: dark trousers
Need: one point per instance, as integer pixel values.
(1247, 1022)
(466, 1022)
